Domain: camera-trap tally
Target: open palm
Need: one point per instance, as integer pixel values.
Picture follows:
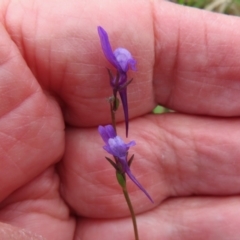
(54, 180)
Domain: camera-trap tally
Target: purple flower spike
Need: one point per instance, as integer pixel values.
(116, 147)
(122, 60)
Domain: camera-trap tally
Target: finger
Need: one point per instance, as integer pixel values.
(38, 210)
(69, 61)
(196, 67)
(31, 130)
(175, 155)
(195, 62)
(197, 218)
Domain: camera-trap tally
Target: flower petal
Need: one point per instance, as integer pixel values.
(108, 149)
(118, 147)
(107, 49)
(130, 144)
(125, 59)
(107, 132)
(131, 176)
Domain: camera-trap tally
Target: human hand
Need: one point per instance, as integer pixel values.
(54, 179)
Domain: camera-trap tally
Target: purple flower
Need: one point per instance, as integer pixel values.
(122, 60)
(116, 147)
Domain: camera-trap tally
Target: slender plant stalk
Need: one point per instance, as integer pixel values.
(113, 113)
(125, 192)
(121, 176)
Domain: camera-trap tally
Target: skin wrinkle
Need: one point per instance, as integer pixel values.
(44, 195)
(206, 82)
(152, 14)
(143, 135)
(206, 41)
(162, 168)
(9, 59)
(20, 38)
(194, 70)
(200, 152)
(73, 171)
(157, 27)
(12, 163)
(38, 208)
(87, 176)
(34, 63)
(21, 127)
(213, 169)
(17, 140)
(47, 193)
(175, 68)
(176, 141)
(20, 103)
(155, 44)
(4, 7)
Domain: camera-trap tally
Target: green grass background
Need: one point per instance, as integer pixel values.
(231, 7)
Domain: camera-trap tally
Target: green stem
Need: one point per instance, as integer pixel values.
(125, 192)
(114, 103)
(113, 117)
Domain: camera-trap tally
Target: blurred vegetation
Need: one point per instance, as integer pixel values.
(231, 7)
(159, 109)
